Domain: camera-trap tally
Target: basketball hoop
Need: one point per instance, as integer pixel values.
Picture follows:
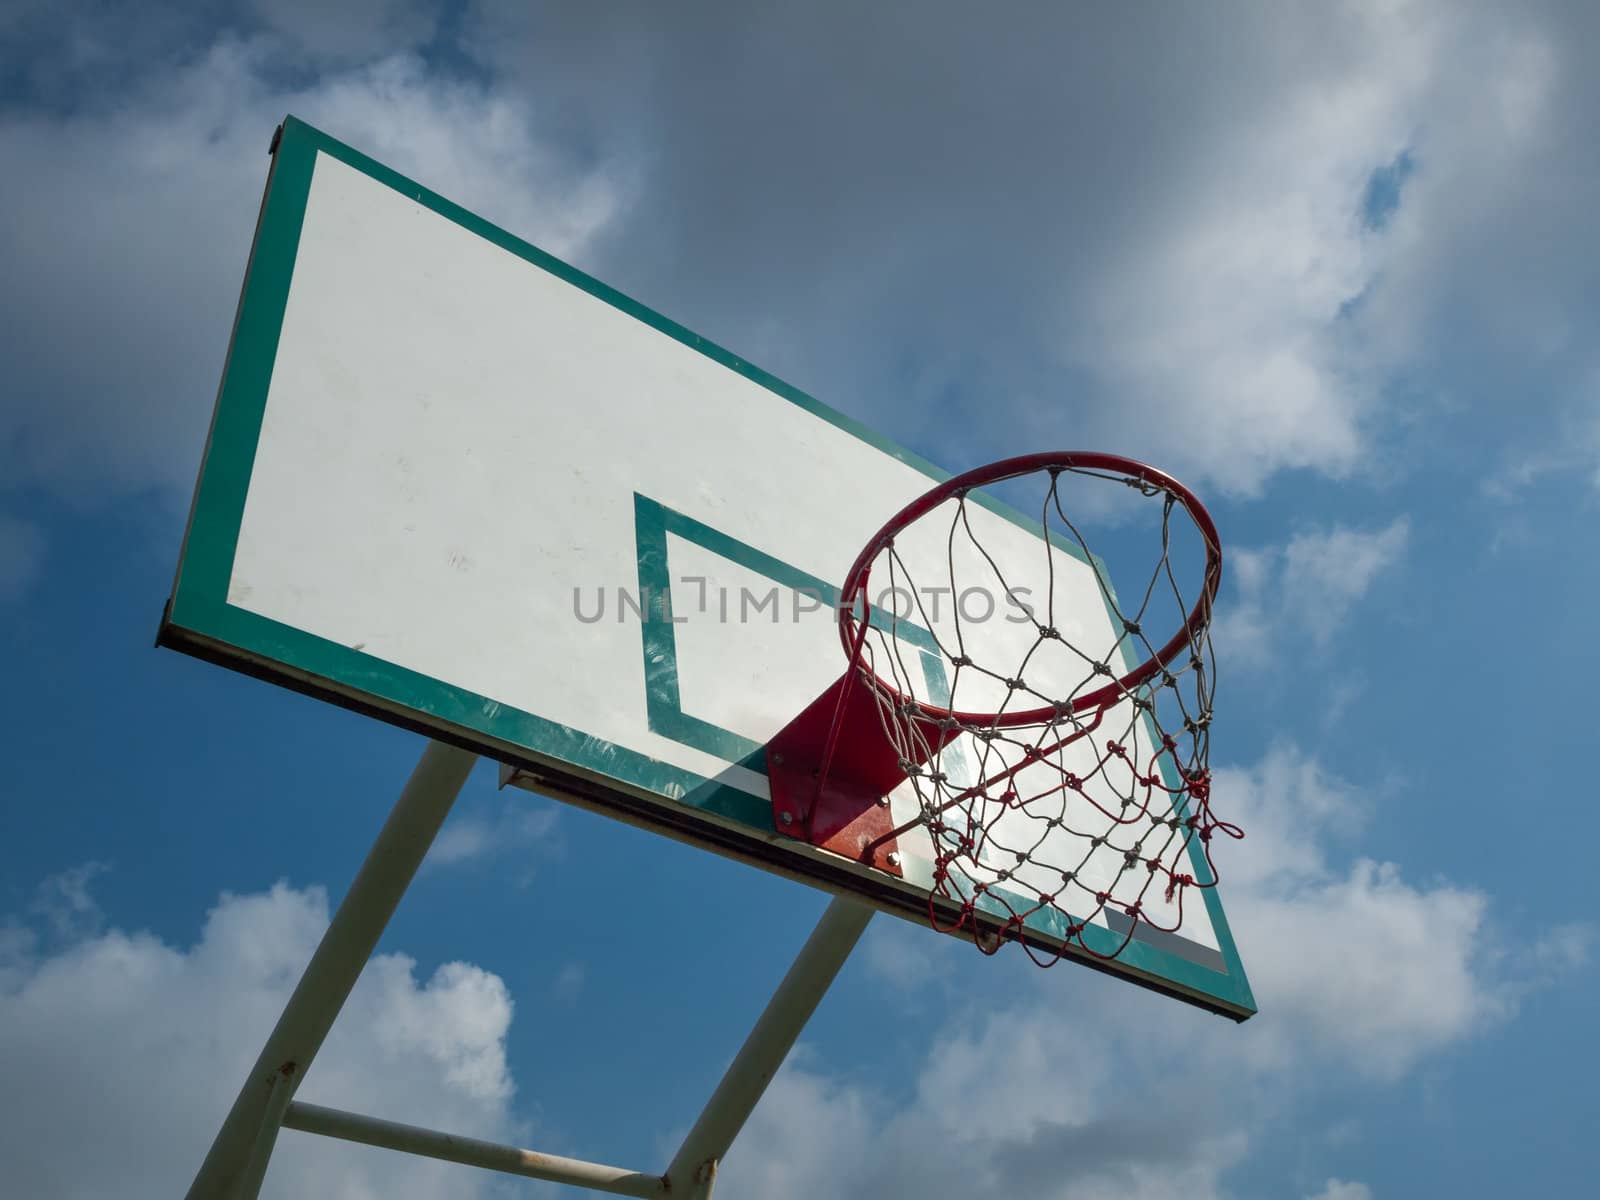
(1070, 795)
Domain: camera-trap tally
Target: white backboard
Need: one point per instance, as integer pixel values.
(450, 480)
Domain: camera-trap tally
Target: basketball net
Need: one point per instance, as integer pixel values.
(1059, 789)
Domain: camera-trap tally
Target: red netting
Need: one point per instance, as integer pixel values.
(1058, 758)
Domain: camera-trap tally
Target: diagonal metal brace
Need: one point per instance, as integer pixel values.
(245, 1140)
(694, 1167)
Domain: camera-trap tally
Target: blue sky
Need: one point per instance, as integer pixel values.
(1334, 267)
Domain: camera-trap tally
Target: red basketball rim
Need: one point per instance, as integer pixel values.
(855, 584)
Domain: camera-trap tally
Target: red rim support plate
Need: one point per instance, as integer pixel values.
(842, 805)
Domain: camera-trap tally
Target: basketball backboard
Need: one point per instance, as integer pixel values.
(457, 484)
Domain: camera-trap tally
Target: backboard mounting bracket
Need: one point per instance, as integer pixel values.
(836, 796)
(841, 816)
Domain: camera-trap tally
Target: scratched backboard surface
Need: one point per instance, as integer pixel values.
(459, 485)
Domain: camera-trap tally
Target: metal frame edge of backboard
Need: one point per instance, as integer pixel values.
(615, 780)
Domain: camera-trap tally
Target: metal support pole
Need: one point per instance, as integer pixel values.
(409, 1139)
(332, 972)
(769, 1043)
(255, 1169)
(704, 1180)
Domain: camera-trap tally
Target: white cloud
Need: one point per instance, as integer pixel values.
(569, 981)
(902, 956)
(1338, 1189)
(518, 827)
(1326, 572)
(1349, 963)
(1309, 586)
(1242, 629)
(1292, 808)
(1564, 948)
(1365, 967)
(65, 903)
(17, 944)
(145, 1043)
(1360, 974)
(1220, 325)
(21, 553)
(1574, 449)
(780, 1154)
(1047, 1133)
(1485, 299)
(1266, 326)
(352, 30)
